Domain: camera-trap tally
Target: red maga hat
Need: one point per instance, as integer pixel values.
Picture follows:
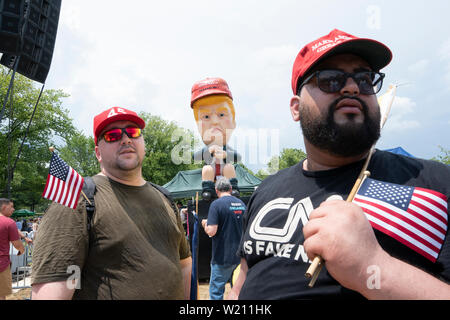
(208, 87)
(112, 115)
(336, 42)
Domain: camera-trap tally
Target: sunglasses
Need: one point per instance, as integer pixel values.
(117, 133)
(332, 81)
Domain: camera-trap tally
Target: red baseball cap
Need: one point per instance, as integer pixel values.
(336, 42)
(208, 87)
(112, 115)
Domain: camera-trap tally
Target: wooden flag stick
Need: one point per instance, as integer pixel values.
(196, 212)
(317, 264)
(85, 196)
(385, 108)
(196, 203)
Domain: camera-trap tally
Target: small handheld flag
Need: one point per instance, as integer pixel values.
(64, 184)
(416, 217)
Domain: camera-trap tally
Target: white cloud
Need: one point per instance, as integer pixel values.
(419, 67)
(444, 54)
(403, 108)
(444, 51)
(70, 16)
(146, 55)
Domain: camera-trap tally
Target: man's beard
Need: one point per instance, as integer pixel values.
(350, 139)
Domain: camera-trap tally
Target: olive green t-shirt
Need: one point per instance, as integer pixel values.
(132, 251)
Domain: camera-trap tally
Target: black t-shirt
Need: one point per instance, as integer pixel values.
(272, 243)
(226, 213)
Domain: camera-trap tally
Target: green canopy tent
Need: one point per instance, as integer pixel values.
(185, 184)
(22, 213)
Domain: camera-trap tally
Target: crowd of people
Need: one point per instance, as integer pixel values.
(28, 225)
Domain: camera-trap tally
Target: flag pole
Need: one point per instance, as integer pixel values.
(52, 149)
(317, 263)
(196, 211)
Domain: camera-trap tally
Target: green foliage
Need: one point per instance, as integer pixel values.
(50, 125)
(164, 142)
(287, 158)
(443, 157)
(79, 153)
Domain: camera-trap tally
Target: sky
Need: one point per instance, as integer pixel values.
(145, 55)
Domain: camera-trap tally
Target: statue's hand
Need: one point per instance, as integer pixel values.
(217, 152)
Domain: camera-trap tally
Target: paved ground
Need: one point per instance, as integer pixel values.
(203, 292)
(21, 293)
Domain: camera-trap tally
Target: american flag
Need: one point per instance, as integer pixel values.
(416, 217)
(64, 184)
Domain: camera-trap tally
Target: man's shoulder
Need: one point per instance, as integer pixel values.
(227, 200)
(281, 176)
(409, 163)
(220, 202)
(100, 179)
(161, 189)
(236, 201)
(7, 221)
(415, 172)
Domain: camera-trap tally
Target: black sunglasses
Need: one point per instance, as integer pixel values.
(117, 133)
(331, 81)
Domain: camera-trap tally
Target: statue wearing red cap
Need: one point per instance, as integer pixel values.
(212, 104)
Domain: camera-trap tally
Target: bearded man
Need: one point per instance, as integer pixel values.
(371, 248)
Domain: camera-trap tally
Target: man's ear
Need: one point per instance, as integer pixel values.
(295, 108)
(97, 154)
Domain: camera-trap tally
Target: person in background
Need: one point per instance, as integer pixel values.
(8, 234)
(224, 226)
(183, 214)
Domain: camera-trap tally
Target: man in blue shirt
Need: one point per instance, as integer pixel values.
(224, 226)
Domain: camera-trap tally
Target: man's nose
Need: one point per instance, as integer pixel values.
(350, 88)
(125, 139)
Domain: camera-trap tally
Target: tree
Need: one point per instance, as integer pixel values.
(79, 153)
(24, 179)
(168, 149)
(443, 157)
(287, 158)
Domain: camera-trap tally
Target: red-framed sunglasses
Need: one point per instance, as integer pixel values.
(117, 133)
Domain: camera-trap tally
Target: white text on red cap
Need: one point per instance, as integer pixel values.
(115, 111)
(327, 43)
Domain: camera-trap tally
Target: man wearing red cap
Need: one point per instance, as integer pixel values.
(212, 104)
(132, 248)
(300, 212)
